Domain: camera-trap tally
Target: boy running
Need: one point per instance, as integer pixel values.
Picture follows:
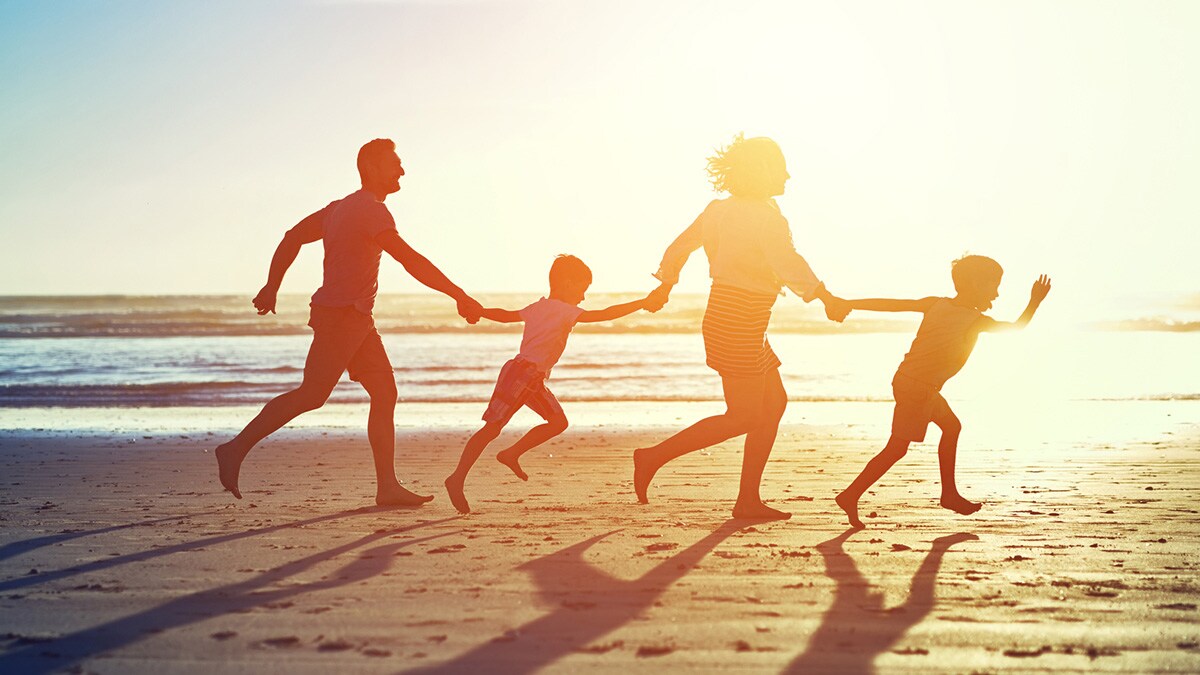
(522, 381)
(944, 341)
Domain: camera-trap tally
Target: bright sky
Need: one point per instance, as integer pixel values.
(165, 147)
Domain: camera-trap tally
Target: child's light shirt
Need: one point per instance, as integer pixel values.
(548, 322)
(944, 341)
(749, 245)
(349, 228)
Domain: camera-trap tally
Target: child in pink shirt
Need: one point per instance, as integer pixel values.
(522, 381)
(944, 342)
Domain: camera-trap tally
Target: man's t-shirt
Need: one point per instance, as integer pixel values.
(352, 255)
(548, 322)
(944, 341)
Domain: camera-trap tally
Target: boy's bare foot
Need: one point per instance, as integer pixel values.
(758, 511)
(960, 505)
(398, 495)
(454, 486)
(850, 506)
(643, 473)
(229, 465)
(513, 462)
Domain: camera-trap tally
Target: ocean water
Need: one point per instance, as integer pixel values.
(205, 351)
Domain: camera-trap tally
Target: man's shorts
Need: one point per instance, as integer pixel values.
(915, 403)
(344, 339)
(520, 383)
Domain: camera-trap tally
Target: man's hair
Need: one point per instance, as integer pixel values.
(370, 154)
(742, 167)
(567, 269)
(971, 271)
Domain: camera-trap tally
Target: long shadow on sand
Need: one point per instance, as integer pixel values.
(16, 548)
(857, 628)
(60, 653)
(19, 547)
(589, 605)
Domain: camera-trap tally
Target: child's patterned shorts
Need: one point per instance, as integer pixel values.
(520, 383)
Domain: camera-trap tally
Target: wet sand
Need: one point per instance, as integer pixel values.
(119, 554)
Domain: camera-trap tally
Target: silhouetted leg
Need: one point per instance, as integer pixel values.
(743, 403)
(511, 456)
(381, 432)
(759, 442)
(322, 369)
(474, 448)
(948, 422)
(871, 473)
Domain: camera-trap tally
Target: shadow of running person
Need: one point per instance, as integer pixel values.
(589, 604)
(857, 628)
(20, 547)
(73, 648)
(16, 548)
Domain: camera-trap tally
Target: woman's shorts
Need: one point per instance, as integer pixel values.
(735, 332)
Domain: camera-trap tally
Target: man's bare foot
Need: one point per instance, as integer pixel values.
(850, 506)
(513, 462)
(643, 473)
(229, 465)
(960, 505)
(398, 495)
(758, 511)
(454, 486)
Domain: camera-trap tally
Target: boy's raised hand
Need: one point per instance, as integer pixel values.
(1041, 288)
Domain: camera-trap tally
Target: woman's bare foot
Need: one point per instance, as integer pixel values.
(229, 465)
(758, 511)
(850, 506)
(959, 504)
(398, 495)
(454, 486)
(643, 472)
(513, 462)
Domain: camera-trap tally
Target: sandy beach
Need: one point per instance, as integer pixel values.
(119, 555)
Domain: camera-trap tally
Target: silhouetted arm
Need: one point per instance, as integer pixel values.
(501, 315)
(425, 272)
(1037, 294)
(791, 267)
(305, 232)
(610, 313)
(677, 254)
(892, 305)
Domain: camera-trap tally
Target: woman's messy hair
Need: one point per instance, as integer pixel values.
(744, 167)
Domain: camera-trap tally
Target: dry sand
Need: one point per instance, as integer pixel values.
(119, 555)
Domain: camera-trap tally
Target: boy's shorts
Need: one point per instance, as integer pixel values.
(520, 383)
(915, 403)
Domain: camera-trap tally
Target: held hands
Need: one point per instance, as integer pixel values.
(265, 300)
(657, 298)
(836, 309)
(470, 309)
(1041, 288)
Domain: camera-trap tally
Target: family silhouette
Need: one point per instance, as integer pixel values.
(751, 257)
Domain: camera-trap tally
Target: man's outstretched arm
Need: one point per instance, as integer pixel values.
(427, 273)
(305, 232)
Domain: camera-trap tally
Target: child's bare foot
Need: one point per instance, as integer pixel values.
(850, 506)
(513, 462)
(758, 511)
(454, 486)
(229, 465)
(643, 472)
(398, 495)
(959, 504)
